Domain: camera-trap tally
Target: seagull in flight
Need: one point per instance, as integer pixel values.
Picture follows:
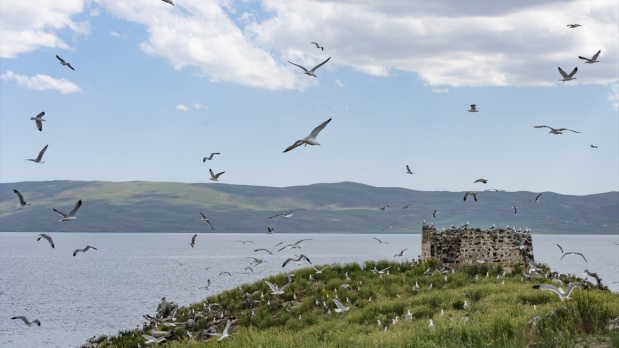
(62, 62)
(390, 226)
(408, 170)
(275, 290)
(193, 240)
(224, 334)
(293, 246)
(380, 241)
(270, 230)
(564, 295)
(269, 251)
(340, 307)
(515, 209)
(204, 219)
(28, 322)
(310, 72)
(401, 253)
(573, 253)
(22, 202)
(150, 339)
(38, 119)
(297, 260)
(40, 157)
(568, 77)
(210, 157)
(536, 200)
(434, 213)
(286, 215)
(213, 176)
(473, 108)
(556, 131)
(310, 139)
(48, 237)
(169, 2)
(474, 194)
(483, 181)
(71, 215)
(593, 59)
(593, 146)
(384, 207)
(315, 43)
(572, 26)
(558, 246)
(84, 250)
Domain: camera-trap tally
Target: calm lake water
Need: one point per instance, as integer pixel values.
(107, 290)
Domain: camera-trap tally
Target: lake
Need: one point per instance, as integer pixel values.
(107, 290)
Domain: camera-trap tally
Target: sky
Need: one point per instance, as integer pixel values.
(158, 87)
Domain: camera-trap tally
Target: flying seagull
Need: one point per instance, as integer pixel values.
(556, 131)
(62, 62)
(401, 253)
(474, 194)
(593, 59)
(38, 119)
(84, 250)
(321, 47)
(48, 237)
(536, 200)
(390, 226)
(38, 159)
(594, 275)
(593, 146)
(298, 260)
(310, 139)
(210, 157)
(340, 307)
(558, 246)
(22, 202)
(269, 251)
(294, 246)
(473, 108)
(28, 322)
(515, 209)
(434, 213)
(193, 240)
(275, 290)
(384, 207)
(380, 241)
(573, 253)
(408, 170)
(573, 26)
(310, 72)
(567, 77)
(286, 215)
(204, 219)
(71, 215)
(270, 230)
(224, 334)
(483, 181)
(564, 295)
(150, 339)
(169, 2)
(213, 176)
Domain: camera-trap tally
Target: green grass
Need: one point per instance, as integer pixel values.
(499, 314)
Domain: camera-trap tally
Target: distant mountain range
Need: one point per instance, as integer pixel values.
(331, 208)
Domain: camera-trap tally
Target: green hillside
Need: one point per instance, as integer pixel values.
(341, 207)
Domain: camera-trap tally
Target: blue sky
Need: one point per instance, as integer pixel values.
(157, 87)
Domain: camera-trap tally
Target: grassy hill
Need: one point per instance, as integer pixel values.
(500, 312)
(341, 207)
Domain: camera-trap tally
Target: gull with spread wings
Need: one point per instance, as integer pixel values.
(38, 119)
(310, 72)
(556, 131)
(567, 77)
(62, 62)
(71, 215)
(310, 139)
(204, 219)
(39, 157)
(593, 59)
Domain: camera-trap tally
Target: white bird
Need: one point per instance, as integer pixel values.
(193, 240)
(588, 61)
(275, 290)
(315, 43)
(556, 131)
(213, 176)
(297, 260)
(270, 251)
(62, 62)
(319, 271)
(401, 253)
(431, 326)
(210, 157)
(39, 157)
(408, 170)
(573, 26)
(22, 202)
(28, 322)
(380, 241)
(465, 318)
(38, 119)
(48, 237)
(564, 295)
(573, 253)
(310, 72)
(84, 250)
(473, 108)
(224, 334)
(409, 315)
(153, 340)
(294, 245)
(340, 307)
(285, 215)
(567, 77)
(310, 139)
(515, 209)
(169, 2)
(536, 200)
(71, 215)
(466, 306)
(204, 219)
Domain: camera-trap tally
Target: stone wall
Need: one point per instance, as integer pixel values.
(473, 245)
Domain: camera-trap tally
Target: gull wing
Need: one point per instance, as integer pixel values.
(69, 65)
(571, 74)
(563, 73)
(317, 130)
(319, 65)
(39, 125)
(273, 287)
(61, 213)
(299, 66)
(536, 198)
(595, 56)
(339, 304)
(209, 223)
(42, 153)
(542, 127)
(565, 129)
(293, 146)
(204, 217)
(548, 287)
(574, 253)
(46, 236)
(225, 333)
(77, 206)
(61, 60)
(571, 287)
(560, 248)
(21, 198)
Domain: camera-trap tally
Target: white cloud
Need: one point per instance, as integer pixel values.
(440, 90)
(40, 82)
(113, 33)
(200, 106)
(181, 107)
(339, 83)
(613, 96)
(28, 25)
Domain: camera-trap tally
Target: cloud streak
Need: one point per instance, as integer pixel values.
(41, 82)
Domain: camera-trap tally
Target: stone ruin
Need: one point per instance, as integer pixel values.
(475, 246)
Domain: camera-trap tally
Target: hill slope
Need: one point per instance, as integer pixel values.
(341, 207)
